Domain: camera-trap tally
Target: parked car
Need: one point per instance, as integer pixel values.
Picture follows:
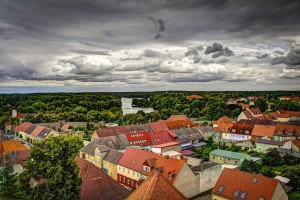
(22, 142)
(11, 137)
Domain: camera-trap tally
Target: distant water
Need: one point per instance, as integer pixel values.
(127, 107)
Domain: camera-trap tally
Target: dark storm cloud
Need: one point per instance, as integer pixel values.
(91, 52)
(152, 54)
(291, 59)
(218, 50)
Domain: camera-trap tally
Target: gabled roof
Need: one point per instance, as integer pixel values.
(159, 125)
(113, 156)
(37, 131)
(243, 129)
(193, 96)
(185, 134)
(97, 185)
(30, 129)
(66, 126)
(11, 146)
(22, 127)
(255, 111)
(90, 148)
(263, 130)
(118, 142)
(156, 187)
(232, 180)
(228, 154)
(178, 117)
(223, 119)
(169, 144)
(179, 124)
(134, 158)
(139, 138)
(160, 137)
(224, 127)
(44, 132)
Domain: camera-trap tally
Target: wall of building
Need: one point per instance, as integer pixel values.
(279, 193)
(241, 116)
(239, 137)
(226, 136)
(110, 168)
(215, 197)
(209, 177)
(261, 148)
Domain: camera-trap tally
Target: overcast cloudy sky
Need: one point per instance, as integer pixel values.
(136, 45)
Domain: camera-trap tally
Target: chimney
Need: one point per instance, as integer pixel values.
(166, 157)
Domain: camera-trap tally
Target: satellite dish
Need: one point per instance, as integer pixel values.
(14, 113)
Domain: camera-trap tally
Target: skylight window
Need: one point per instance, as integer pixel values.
(261, 198)
(254, 180)
(236, 193)
(243, 195)
(221, 189)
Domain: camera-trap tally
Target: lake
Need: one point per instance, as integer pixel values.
(127, 107)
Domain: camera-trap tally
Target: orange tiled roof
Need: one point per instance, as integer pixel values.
(223, 119)
(156, 187)
(134, 158)
(11, 146)
(37, 131)
(244, 129)
(224, 127)
(234, 180)
(194, 97)
(263, 130)
(159, 125)
(96, 184)
(22, 127)
(178, 117)
(160, 137)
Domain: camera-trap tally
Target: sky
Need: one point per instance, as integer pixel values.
(143, 45)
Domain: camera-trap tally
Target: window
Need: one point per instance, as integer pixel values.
(235, 161)
(123, 169)
(128, 171)
(170, 176)
(228, 159)
(254, 180)
(123, 179)
(236, 193)
(120, 178)
(243, 195)
(214, 157)
(112, 174)
(128, 181)
(133, 173)
(220, 158)
(131, 182)
(221, 189)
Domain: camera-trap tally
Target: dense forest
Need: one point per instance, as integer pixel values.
(94, 107)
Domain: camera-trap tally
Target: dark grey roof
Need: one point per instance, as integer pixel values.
(271, 142)
(118, 142)
(113, 156)
(31, 128)
(44, 132)
(206, 128)
(90, 148)
(185, 134)
(206, 165)
(283, 150)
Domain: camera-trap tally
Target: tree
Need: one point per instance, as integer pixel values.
(273, 158)
(53, 162)
(262, 104)
(203, 152)
(8, 181)
(251, 166)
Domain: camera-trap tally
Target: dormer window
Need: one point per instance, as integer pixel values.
(233, 130)
(254, 180)
(236, 193)
(147, 169)
(221, 189)
(170, 176)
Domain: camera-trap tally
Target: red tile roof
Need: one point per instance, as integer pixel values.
(134, 158)
(139, 138)
(194, 97)
(291, 113)
(160, 137)
(263, 130)
(159, 125)
(223, 119)
(169, 144)
(179, 117)
(37, 131)
(187, 152)
(7, 123)
(234, 180)
(97, 185)
(22, 127)
(66, 126)
(243, 129)
(224, 127)
(156, 187)
(11, 146)
(255, 111)
(20, 115)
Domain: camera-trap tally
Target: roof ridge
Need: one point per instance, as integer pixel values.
(86, 174)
